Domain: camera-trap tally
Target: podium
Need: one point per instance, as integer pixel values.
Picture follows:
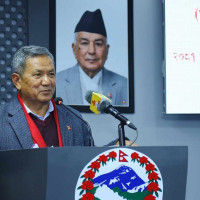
(52, 173)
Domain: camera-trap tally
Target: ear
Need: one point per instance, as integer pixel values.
(16, 79)
(107, 47)
(106, 51)
(74, 48)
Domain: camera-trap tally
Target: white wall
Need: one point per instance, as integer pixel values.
(155, 128)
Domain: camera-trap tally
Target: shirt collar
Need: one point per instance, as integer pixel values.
(50, 109)
(87, 83)
(92, 82)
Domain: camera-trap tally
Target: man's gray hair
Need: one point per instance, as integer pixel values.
(25, 52)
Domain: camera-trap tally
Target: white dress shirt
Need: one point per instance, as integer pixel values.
(50, 109)
(87, 83)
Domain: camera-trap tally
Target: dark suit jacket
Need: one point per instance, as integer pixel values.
(15, 133)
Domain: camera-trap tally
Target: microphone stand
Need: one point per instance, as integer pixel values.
(121, 134)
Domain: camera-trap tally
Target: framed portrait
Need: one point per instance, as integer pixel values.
(118, 20)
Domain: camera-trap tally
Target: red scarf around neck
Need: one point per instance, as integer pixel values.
(35, 133)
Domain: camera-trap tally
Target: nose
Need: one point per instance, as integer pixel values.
(46, 80)
(91, 48)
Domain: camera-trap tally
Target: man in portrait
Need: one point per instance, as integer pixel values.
(91, 49)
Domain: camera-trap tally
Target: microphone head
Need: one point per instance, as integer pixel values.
(58, 100)
(88, 96)
(95, 99)
(104, 106)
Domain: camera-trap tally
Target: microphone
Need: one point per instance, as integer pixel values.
(59, 101)
(99, 102)
(95, 99)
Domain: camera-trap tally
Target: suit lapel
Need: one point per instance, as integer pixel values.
(66, 129)
(109, 86)
(19, 124)
(73, 86)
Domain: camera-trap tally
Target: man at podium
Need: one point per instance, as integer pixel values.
(32, 119)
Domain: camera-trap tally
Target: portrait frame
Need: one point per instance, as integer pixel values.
(55, 44)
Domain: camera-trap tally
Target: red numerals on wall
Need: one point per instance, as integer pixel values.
(184, 57)
(197, 14)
